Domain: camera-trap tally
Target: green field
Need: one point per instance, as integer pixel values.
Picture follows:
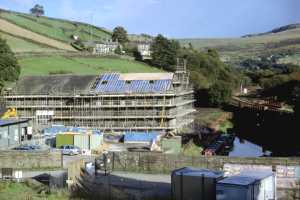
(56, 28)
(80, 65)
(19, 45)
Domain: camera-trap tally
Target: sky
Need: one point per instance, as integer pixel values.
(173, 18)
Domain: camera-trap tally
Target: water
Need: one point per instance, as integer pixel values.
(245, 148)
(265, 130)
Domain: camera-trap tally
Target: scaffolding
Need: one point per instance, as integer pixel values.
(168, 111)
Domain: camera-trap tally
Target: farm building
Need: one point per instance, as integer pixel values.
(109, 102)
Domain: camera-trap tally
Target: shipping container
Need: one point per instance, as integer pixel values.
(194, 184)
(82, 141)
(64, 139)
(96, 141)
(248, 186)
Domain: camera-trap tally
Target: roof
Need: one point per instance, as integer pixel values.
(246, 178)
(257, 174)
(140, 136)
(39, 85)
(238, 180)
(8, 122)
(190, 171)
(134, 83)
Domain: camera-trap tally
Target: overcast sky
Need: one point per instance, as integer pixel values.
(173, 18)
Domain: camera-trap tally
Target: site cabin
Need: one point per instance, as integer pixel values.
(13, 132)
(110, 102)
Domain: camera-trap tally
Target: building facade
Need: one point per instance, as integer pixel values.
(109, 102)
(145, 49)
(107, 47)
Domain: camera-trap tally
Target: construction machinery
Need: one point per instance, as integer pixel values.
(10, 113)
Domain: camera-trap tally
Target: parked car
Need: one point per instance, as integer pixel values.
(27, 147)
(70, 150)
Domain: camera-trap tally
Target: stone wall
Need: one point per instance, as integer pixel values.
(150, 162)
(30, 160)
(287, 169)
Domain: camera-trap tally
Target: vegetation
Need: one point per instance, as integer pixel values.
(80, 65)
(120, 35)
(191, 149)
(37, 10)
(58, 29)
(164, 53)
(234, 50)
(20, 191)
(9, 66)
(219, 93)
(210, 76)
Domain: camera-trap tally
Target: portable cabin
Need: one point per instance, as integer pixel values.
(248, 186)
(13, 132)
(194, 184)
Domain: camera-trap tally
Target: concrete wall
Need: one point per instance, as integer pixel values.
(30, 160)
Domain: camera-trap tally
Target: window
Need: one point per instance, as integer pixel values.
(151, 81)
(104, 82)
(128, 82)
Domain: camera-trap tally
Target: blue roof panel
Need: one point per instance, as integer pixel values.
(111, 83)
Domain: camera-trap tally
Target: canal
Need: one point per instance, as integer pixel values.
(260, 132)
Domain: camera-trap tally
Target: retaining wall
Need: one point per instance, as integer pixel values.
(30, 160)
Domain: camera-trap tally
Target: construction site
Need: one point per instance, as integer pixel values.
(108, 102)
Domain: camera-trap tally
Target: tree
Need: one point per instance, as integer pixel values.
(219, 93)
(9, 68)
(120, 35)
(118, 50)
(136, 54)
(37, 10)
(164, 53)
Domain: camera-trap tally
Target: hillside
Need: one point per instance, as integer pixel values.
(58, 29)
(25, 34)
(42, 45)
(285, 41)
(21, 45)
(47, 65)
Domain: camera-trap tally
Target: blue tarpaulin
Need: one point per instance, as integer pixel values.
(140, 136)
(55, 129)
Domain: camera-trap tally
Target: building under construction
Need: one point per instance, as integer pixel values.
(109, 102)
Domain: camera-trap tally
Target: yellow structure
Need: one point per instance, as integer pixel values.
(10, 113)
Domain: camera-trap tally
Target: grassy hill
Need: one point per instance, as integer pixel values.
(283, 40)
(20, 45)
(57, 29)
(79, 65)
(42, 46)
